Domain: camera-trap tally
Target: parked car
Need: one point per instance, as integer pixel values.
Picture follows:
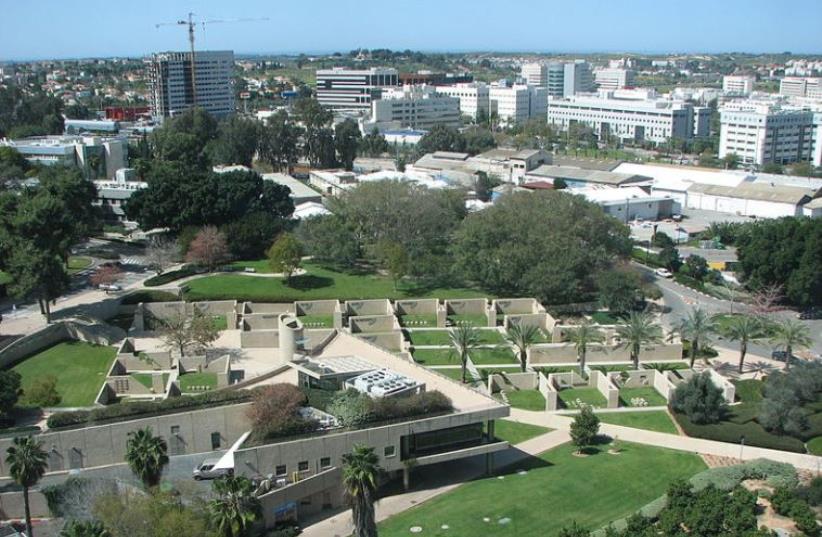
(206, 470)
(782, 356)
(110, 287)
(663, 273)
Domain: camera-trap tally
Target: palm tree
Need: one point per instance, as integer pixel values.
(791, 334)
(744, 329)
(146, 455)
(639, 329)
(27, 464)
(463, 340)
(236, 508)
(697, 328)
(360, 470)
(84, 528)
(582, 336)
(522, 337)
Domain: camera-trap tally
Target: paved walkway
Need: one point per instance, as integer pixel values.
(672, 441)
(340, 524)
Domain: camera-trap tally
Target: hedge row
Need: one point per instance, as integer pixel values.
(728, 431)
(145, 409)
(148, 296)
(168, 277)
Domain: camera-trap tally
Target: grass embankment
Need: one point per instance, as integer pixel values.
(653, 420)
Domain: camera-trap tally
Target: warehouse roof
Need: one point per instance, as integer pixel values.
(758, 191)
(588, 176)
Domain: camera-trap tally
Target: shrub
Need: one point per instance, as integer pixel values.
(426, 403)
(727, 477)
(699, 399)
(584, 428)
(148, 296)
(142, 409)
(351, 408)
(275, 412)
(43, 392)
(812, 493)
(168, 277)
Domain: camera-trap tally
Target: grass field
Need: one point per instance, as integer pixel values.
(317, 321)
(418, 320)
(490, 337)
(220, 322)
(429, 337)
(146, 379)
(654, 420)
(198, 382)
(80, 369)
(502, 355)
(571, 397)
(526, 399)
(557, 489)
(78, 263)
(316, 284)
(477, 321)
(435, 357)
(649, 395)
(814, 446)
(454, 373)
(515, 433)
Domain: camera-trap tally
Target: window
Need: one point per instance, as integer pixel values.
(175, 430)
(302, 466)
(215, 440)
(325, 462)
(280, 470)
(390, 451)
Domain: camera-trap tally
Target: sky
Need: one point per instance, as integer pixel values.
(97, 28)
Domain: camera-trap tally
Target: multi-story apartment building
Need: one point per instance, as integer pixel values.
(535, 74)
(434, 79)
(738, 84)
(630, 116)
(518, 103)
(342, 88)
(613, 78)
(796, 86)
(413, 107)
(763, 132)
(172, 90)
(577, 78)
(474, 100)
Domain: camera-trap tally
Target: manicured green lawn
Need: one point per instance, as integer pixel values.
(220, 322)
(724, 320)
(526, 399)
(587, 396)
(814, 445)
(454, 373)
(198, 382)
(429, 337)
(317, 321)
(317, 284)
(146, 379)
(654, 420)
(413, 321)
(469, 319)
(490, 337)
(515, 433)
(80, 369)
(435, 357)
(557, 489)
(501, 355)
(78, 263)
(749, 390)
(634, 396)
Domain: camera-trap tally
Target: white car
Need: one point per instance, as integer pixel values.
(109, 287)
(206, 470)
(663, 273)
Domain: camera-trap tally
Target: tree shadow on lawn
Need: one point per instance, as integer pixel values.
(307, 282)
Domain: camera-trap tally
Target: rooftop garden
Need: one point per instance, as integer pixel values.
(579, 397)
(526, 399)
(641, 397)
(197, 382)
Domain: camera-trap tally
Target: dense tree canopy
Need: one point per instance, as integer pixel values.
(787, 252)
(547, 244)
(24, 114)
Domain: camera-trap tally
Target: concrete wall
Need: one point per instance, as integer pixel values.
(106, 444)
(263, 307)
(55, 333)
(368, 307)
(517, 306)
(469, 306)
(259, 339)
(261, 321)
(391, 341)
(373, 324)
(423, 306)
(321, 307)
(606, 387)
(543, 321)
(564, 353)
(727, 387)
(12, 506)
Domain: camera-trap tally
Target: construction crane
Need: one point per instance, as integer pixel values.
(191, 23)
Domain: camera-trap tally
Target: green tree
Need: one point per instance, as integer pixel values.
(250, 236)
(696, 267)
(43, 392)
(731, 161)
(669, 258)
(84, 528)
(463, 340)
(618, 289)
(26, 462)
(582, 336)
(699, 399)
(237, 141)
(744, 329)
(10, 391)
(522, 337)
(574, 530)
(347, 139)
(584, 428)
(146, 455)
(360, 472)
(236, 508)
(639, 329)
(791, 335)
(279, 142)
(329, 240)
(373, 144)
(697, 327)
(395, 260)
(285, 255)
(441, 138)
(134, 514)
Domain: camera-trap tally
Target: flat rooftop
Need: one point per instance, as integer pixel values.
(588, 176)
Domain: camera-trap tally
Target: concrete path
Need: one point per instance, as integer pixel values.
(672, 441)
(340, 524)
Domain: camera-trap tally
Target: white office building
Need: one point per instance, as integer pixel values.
(413, 107)
(741, 85)
(761, 132)
(577, 78)
(473, 97)
(172, 91)
(796, 86)
(614, 79)
(342, 88)
(97, 157)
(518, 103)
(631, 115)
(535, 74)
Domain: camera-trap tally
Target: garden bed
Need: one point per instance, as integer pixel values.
(640, 397)
(198, 382)
(526, 399)
(468, 319)
(577, 397)
(317, 321)
(413, 321)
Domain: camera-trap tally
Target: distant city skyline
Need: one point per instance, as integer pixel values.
(30, 31)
